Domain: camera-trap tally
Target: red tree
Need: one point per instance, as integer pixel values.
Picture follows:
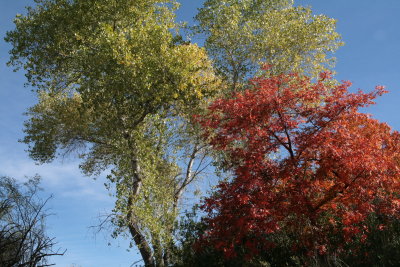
(305, 161)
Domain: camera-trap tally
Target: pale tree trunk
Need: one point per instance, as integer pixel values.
(134, 229)
(158, 252)
(142, 244)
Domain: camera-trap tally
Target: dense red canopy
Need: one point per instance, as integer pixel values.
(305, 161)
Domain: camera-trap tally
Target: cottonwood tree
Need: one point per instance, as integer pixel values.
(241, 35)
(23, 239)
(113, 86)
(307, 164)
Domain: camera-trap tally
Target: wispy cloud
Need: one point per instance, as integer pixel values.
(61, 178)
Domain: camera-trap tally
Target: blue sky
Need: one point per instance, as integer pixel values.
(371, 56)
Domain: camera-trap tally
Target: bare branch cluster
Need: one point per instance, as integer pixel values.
(23, 240)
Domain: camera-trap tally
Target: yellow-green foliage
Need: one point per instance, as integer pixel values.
(241, 35)
(109, 77)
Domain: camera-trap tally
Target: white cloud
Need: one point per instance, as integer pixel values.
(61, 178)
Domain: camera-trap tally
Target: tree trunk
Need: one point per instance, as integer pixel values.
(143, 246)
(140, 240)
(158, 252)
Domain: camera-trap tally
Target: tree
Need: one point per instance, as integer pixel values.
(309, 168)
(116, 86)
(380, 248)
(23, 241)
(241, 35)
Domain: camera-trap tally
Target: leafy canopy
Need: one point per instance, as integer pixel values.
(306, 163)
(241, 35)
(111, 78)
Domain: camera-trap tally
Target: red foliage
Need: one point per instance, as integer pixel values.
(305, 161)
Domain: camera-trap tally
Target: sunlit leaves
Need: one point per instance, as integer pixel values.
(110, 78)
(306, 164)
(242, 35)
